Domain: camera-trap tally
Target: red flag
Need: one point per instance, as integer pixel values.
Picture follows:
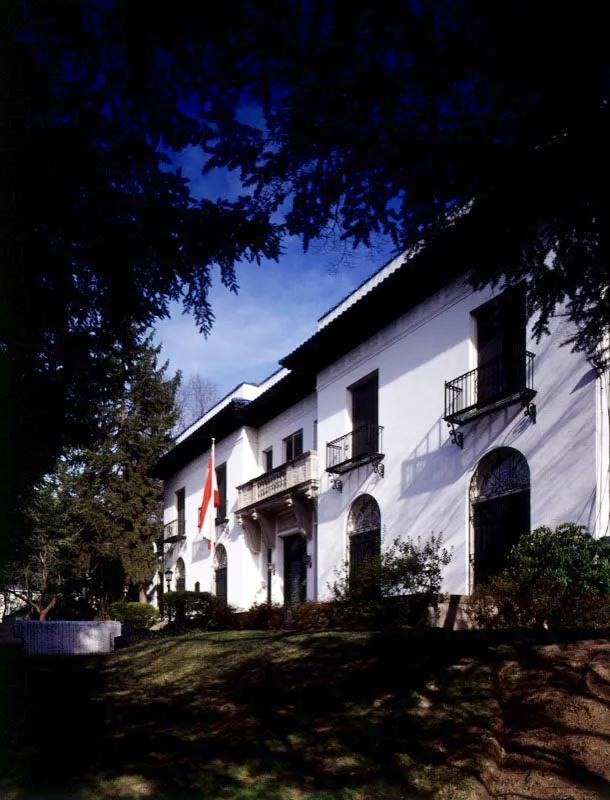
(211, 501)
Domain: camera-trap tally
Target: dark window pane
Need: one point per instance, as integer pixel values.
(363, 547)
(498, 523)
(221, 481)
(365, 402)
(268, 459)
(501, 329)
(295, 570)
(180, 504)
(365, 413)
(293, 445)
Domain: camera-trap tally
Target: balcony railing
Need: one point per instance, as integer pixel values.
(360, 446)
(300, 470)
(489, 387)
(174, 531)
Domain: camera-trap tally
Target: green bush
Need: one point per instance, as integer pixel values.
(553, 579)
(314, 616)
(226, 618)
(263, 617)
(141, 615)
(398, 587)
(194, 609)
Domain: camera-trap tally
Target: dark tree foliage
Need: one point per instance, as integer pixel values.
(349, 120)
(89, 528)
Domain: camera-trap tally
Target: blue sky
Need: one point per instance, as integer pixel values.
(277, 306)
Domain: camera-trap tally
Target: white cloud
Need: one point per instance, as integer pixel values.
(276, 309)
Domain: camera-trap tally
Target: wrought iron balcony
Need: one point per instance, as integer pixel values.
(301, 471)
(491, 386)
(174, 531)
(360, 446)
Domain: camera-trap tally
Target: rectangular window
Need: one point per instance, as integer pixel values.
(268, 459)
(315, 434)
(365, 415)
(500, 340)
(221, 481)
(181, 508)
(293, 445)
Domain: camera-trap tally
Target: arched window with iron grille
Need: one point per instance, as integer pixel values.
(180, 575)
(499, 509)
(364, 533)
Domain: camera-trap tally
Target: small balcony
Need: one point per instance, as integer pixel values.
(490, 387)
(300, 473)
(360, 446)
(174, 531)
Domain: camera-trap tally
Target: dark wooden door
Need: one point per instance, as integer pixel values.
(501, 346)
(295, 570)
(498, 522)
(221, 585)
(365, 416)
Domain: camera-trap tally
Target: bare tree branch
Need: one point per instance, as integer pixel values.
(194, 397)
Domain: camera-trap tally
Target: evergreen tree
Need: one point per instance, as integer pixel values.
(97, 516)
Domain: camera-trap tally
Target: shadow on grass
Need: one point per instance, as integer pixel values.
(261, 715)
(556, 706)
(51, 718)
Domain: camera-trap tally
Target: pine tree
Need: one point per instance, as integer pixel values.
(97, 516)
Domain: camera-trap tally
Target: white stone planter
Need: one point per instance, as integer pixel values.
(67, 637)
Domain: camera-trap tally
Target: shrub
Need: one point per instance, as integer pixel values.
(193, 609)
(225, 618)
(314, 616)
(263, 617)
(398, 587)
(553, 578)
(140, 615)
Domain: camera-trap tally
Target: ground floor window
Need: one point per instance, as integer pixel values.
(180, 575)
(220, 574)
(364, 535)
(499, 510)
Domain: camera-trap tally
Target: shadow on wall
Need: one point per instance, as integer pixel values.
(436, 463)
(200, 550)
(433, 464)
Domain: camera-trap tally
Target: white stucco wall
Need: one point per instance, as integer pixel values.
(240, 452)
(425, 488)
(299, 416)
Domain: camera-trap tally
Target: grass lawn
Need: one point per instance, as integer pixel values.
(251, 715)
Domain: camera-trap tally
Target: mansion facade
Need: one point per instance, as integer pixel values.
(419, 406)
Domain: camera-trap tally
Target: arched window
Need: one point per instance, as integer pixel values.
(499, 509)
(364, 533)
(220, 573)
(180, 576)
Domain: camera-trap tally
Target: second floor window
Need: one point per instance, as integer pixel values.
(293, 445)
(268, 459)
(181, 509)
(365, 414)
(221, 481)
(500, 341)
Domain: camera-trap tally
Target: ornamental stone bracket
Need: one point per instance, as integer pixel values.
(252, 532)
(288, 514)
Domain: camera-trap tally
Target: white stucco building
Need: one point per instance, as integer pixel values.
(418, 406)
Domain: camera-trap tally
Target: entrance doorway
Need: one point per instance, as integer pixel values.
(499, 510)
(295, 570)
